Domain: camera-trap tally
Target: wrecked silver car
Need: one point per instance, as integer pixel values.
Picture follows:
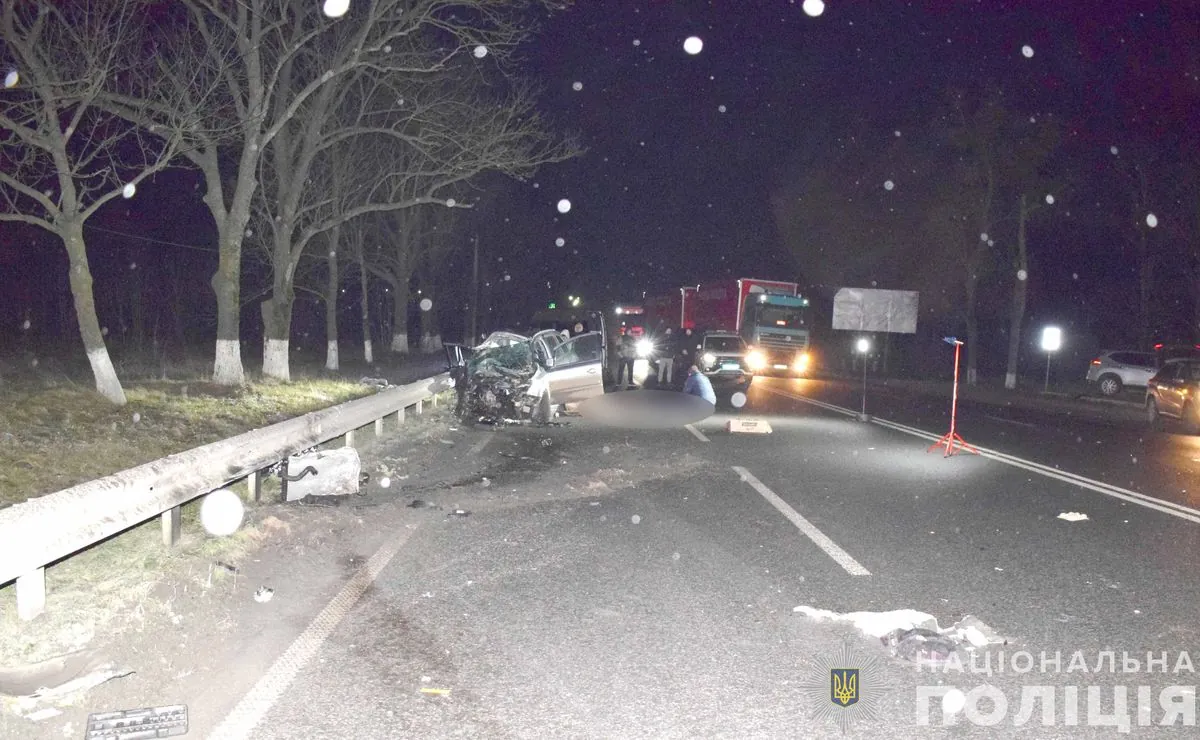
(510, 378)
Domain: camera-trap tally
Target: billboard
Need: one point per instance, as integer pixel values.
(865, 309)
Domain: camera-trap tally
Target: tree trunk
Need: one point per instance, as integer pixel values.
(368, 352)
(399, 318)
(137, 308)
(431, 338)
(331, 305)
(107, 383)
(277, 330)
(1020, 293)
(226, 284)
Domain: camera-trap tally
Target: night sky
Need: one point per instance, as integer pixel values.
(688, 153)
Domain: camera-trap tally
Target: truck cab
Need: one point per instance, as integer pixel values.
(777, 326)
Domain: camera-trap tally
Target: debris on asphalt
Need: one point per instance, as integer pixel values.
(435, 692)
(264, 594)
(546, 441)
(485, 482)
(460, 512)
(1073, 516)
(446, 442)
(59, 676)
(920, 646)
(913, 635)
(41, 714)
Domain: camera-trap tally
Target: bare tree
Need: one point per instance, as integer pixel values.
(457, 135)
(63, 157)
(252, 68)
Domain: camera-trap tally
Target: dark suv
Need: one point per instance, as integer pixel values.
(1174, 392)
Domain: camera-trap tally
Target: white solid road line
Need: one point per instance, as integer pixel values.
(1166, 507)
(249, 712)
(840, 556)
(696, 432)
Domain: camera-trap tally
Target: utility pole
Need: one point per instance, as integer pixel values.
(474, 293)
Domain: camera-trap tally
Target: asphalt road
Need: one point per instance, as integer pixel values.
(639, 584)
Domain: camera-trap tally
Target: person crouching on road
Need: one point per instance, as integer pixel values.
(697, 384)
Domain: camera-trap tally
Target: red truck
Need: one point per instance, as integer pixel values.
(770, 315)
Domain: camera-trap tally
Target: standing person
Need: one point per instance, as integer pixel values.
(628, 353)
(698, 384)
(666, 359)
(685, 348)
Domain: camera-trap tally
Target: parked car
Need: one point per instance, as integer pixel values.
(1174, 393)
(722, 356)
(1115, 369)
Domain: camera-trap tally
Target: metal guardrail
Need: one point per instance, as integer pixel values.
(49, 528)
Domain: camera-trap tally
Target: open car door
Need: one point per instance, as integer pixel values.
(575, 372)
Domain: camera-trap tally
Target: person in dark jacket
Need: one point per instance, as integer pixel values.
(698, 384)
(628, 353)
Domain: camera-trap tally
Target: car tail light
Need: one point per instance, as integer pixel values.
(1096, 361)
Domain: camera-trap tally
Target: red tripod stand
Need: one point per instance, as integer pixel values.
(950, 440)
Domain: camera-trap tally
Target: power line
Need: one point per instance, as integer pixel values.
(151, 239)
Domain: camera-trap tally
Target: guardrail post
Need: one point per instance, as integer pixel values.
(400, 415)
(379, 427)
(31, 594)
(350, 438)
(418, 407)
(433, 400)
(254, 485)
(171, 526)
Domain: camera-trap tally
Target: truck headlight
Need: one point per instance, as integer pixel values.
(756, 360)
(709, 359)
(801, 362)
(645, 348)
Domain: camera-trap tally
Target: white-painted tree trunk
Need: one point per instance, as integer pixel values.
(368, 353)
(227, 368)
(275, 359)
(107, 382)
(1010, 380)
(331, 355)
(400, 342)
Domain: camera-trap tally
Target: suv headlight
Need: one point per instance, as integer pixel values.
(709, 359)
(645, 348)
(756, 360)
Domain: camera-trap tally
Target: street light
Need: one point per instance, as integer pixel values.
(863, 346)
(1051, 343)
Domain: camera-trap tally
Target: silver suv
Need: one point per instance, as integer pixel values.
(1115, 369)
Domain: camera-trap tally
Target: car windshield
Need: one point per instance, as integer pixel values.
(724, 344)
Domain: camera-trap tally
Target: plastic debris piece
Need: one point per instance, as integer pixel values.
(264, 594)
(460, 512)
(435, 692)
(1073, 516)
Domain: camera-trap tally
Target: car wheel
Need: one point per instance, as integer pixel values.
(1153, 416)
(1190, 419)
(1110, 385)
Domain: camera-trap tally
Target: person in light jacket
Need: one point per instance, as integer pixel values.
(698, 384)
